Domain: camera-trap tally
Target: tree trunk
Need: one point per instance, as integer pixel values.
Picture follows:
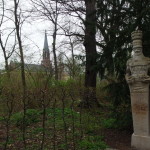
(54, 53)
(73, 60)
(17, 26)
(6, 58)
(54, 43)
(90, 99)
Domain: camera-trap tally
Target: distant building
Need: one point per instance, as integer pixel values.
(46, 64)
(46, 54)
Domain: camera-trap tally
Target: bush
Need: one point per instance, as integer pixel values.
(119, 98)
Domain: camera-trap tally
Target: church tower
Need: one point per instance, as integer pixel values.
(46, 54)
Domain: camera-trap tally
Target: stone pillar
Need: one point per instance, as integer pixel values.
(138, 78)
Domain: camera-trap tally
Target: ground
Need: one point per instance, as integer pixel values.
(117, 139)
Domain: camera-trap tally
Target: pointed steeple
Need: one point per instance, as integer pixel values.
(46, 54)
(45, 48)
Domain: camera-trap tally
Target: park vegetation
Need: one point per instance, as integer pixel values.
(39, 109)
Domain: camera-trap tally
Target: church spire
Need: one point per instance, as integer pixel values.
(45, 48)
(46, 54)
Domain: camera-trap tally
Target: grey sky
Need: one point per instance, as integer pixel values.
(33, 35)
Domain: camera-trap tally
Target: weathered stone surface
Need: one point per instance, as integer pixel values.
(140, 111)
(138, 79)
(141, 142)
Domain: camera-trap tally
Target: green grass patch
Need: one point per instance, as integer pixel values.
(32, 116)
(109, 123)
(92, 143)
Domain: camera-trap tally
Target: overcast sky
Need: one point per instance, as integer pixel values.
(33, 31)
(32, 37)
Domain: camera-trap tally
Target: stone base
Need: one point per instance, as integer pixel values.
(140, 142)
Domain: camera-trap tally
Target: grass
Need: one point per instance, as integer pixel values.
(92, 143)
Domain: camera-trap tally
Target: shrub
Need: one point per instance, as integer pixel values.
(119, 98)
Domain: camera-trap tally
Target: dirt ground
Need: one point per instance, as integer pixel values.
(117, 139)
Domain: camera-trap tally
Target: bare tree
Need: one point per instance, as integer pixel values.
(49, 10)
(87, 9)
(18, 22)
(78, 10)
(3, 44)
(75, 45)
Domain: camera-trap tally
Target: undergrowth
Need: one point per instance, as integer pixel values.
(83, 132)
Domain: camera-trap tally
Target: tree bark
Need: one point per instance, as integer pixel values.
(90, 99)
(54, 52)
(73, 60)
(5, 57)
(54, 41)
(24, 88)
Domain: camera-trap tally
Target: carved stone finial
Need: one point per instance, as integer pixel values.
(136, 34)
(137, 28)
(137, 39)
